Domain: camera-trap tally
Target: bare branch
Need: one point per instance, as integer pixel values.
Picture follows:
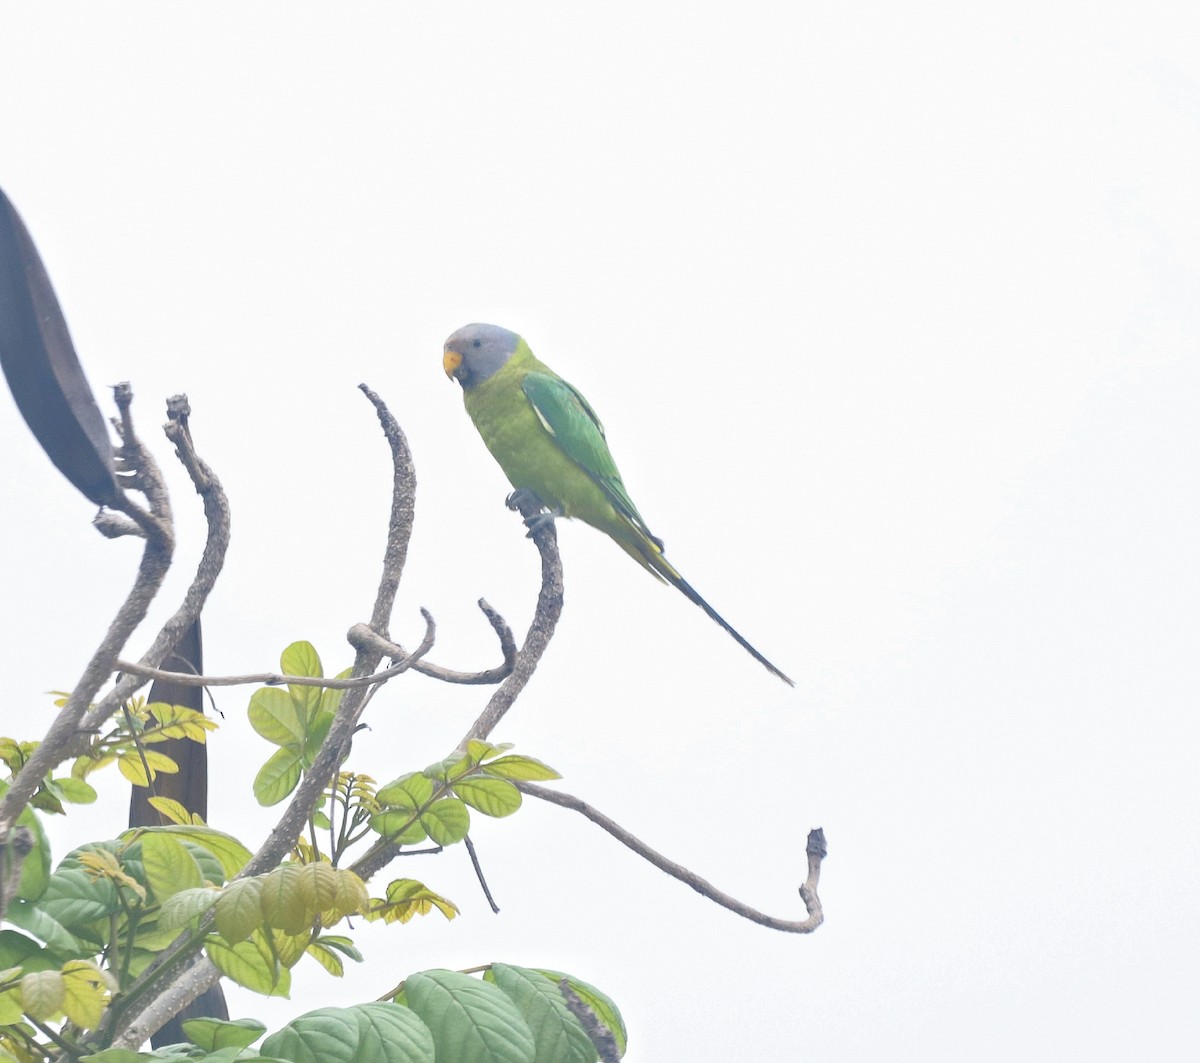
(361, 636)
(212, 560)
(64, 732)
(404, 494)
(808, 892)
(133, 1030)
(545, 619)
(189, 679)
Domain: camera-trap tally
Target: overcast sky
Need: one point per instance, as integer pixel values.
(891, 313)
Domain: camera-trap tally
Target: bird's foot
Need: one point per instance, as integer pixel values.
(524, 500)
(540, 520)
(523, 496)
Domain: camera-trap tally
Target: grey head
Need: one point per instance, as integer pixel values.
(477, 351)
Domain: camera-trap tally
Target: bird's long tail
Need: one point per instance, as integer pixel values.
(648, 553)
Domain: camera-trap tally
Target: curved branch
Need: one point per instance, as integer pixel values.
(212, 561)
(157, 525)
(274, 679)
(133, 1030)
(541, 630)
(815, 849)
(361, 636)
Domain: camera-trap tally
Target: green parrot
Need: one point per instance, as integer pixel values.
(549, 441)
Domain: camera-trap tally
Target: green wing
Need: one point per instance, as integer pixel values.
(566, 415)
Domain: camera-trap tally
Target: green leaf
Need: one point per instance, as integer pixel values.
(493, 797)
(605, 1010)
(369, 1033)
(479, 750)
(331, 698)
(317, 731)
(327, 958)
(344, 945)
(76, 791)
(17, 950)
(300, 658)
(388, 823)
(283, 905)
(115, 1055)
(278, 777)
(446, 821)
(239, 909)
(273, 715)
(471, 1021)
(410, 791)
(249, 964)
(168, 865)
(185, 906)
(42, 994)
(527, 769)
(72, 896)
(85, 993)
(231, 854)
(31, 917)
(212, 1034)
(317, 886)
(559, 1036)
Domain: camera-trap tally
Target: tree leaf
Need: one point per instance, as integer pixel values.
(410, 791)
(212, 1034)
(185, 906)
(278, 777)
(493, 797)
(250, 964)
(42, 994)
(76, 791)
(239, 909)
(273, 715)
(301, 658)
(446, 821)
(168, 865)
(86, 993)
(388, 823)
(558, 1035)
(283, 905)
(471, 1021)
(606, 1011)
(527, 769)
(230, 854)
(369, 1033)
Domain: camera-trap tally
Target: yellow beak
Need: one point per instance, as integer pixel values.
(451, 360)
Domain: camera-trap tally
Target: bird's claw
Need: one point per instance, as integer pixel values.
(520, 497)
(540, 520)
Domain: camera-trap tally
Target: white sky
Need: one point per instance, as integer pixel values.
(891, 314)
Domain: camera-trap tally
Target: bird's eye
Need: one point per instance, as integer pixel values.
(476, 343)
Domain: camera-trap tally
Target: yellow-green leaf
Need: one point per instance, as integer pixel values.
(42, 994)
(493, 797)
(86, 993)
(250, 964)
(282, 905)
(446, 821)
(169, 866)
(239, 909)
(515, 766)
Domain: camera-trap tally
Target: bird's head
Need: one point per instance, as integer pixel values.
(475, 352)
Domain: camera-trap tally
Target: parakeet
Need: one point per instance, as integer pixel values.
(548, 440)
